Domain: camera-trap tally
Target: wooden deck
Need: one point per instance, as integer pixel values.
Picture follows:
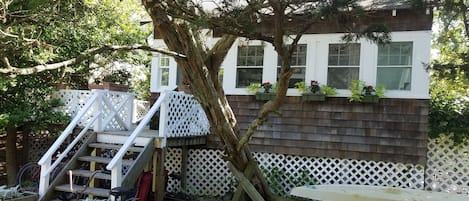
(171, 142)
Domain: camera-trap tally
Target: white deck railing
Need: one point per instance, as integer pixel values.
(180, 116)
(116, 163)
(102, 109)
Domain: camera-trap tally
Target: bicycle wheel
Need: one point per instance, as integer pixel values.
(28, 177)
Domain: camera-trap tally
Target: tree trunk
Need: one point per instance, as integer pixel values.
(11, 165)
(202, 71)
(25, 142)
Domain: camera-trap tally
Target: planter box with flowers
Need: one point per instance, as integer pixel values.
(185, 87)
(316, 92)
(361, 92)
(114, 80)
(266, 94)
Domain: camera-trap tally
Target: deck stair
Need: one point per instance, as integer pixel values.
(101, 149)
(89, 167)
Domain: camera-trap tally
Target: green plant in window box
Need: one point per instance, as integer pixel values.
(316, 92)
(301, 86)
(329, 91)
(267, 87)
(253, 88)
(267, 94)
(361, 92)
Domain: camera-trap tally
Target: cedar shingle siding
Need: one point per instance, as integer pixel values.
(391, 130)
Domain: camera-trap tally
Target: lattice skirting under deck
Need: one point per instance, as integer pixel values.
(207, 173)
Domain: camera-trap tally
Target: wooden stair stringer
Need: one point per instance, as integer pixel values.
(61, 176)
(138, 165)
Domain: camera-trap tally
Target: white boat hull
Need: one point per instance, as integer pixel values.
(371, 193)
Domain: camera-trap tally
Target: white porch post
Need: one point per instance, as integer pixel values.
(130, 110)
(164, 119)
(98, 108)
(44, 180)
(116, 174)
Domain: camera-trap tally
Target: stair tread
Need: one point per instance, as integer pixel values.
(114, 146)
(87, 173)
(102, 160)
(100, 192)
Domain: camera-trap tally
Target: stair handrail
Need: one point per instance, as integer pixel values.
(46, 159)
(117, 159)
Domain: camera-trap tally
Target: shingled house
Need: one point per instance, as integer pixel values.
(394, 129)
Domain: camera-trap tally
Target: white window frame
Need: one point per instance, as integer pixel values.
(255, 66)
(378, 66)
(162, 67)
(343, 66)
(296, 66)
(317, 62)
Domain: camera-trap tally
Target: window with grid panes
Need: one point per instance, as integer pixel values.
(164, 70)
(343, 65)
(250, 61)
(298, 65)
(395, 65)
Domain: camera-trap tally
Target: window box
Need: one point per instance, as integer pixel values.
(185, 88)
(370, 99)
(109, 86)
(313, 97)
(265, 96)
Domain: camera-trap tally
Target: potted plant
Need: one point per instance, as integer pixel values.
(361, 92)
(316, 92)
(185, 87)
(267, 93)
(115, 80)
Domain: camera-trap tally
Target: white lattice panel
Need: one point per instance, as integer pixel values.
(298, 170)
(75, 100)
(185, 116)
(141, 108)
(207, 173)
(172, 163)
(447, 166)
(125, 113)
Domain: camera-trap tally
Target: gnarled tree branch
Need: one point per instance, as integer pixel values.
(83, 56)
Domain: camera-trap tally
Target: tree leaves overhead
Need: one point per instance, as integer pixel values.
(452, 38)
(449, 113)
(254, 19)
(35, 32)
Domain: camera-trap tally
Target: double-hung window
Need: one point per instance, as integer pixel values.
(298, 65)
(164, 70)
(249, 65)
(395, 65)
(343, 64)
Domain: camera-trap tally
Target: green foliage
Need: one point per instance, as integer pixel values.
(276, 176)
(141, 82)
(301, 86)
(64, 29)
(449, 108)
(360, 89)
(449, 105)
(51, 31)
(379, 90)
(451, 39)
(329, 91)
(253, 88)
(356, 88)
(29, 102)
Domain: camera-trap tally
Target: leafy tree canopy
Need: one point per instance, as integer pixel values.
(36, 32)
(449, 113)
